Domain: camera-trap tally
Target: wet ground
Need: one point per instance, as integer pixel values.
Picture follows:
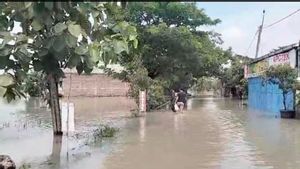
(212, 134)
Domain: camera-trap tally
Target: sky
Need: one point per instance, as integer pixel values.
(240, 21)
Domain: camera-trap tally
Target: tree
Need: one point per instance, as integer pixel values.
(284, 76)
(172, 13)
(59, 35)
(233, 75)
(172, 49)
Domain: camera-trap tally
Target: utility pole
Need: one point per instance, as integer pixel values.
(259, 34)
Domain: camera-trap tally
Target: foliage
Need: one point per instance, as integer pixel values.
(172, 50)
(284, 76)
(104, 131)
(59, 35)
(155, 95)
(171, 13)
(206, 84)
(34, 84)
(233, 75)
(9, 88)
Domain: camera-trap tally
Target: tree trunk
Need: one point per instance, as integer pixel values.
(56, 150)
(54, 105)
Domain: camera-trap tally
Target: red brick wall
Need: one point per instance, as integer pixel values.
(94, 85)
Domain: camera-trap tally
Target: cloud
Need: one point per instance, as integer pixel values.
(233, 32)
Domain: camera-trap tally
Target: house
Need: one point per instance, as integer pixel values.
(268, 97)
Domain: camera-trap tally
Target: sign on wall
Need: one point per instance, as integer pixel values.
(258, 68)
(284, 58)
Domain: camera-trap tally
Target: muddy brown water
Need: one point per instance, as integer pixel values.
(213, 134)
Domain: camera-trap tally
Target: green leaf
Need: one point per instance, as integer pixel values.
(89, 63)
(28, 4)
(71, 41)
(21, 75)
(59, 44)
(36, 25)
(79, 68)
(3, 62)
(120, 46)
(135, 43)
(43, 52)
(120, 27)
(59, 28)
(88, 70)
(74, 30)
(5, 51)
(132, 37)
(81, 50)
(74, 61)
(3, 22)
(94, 53)
(49, 42)
(95, 13)
(9, 94)
(6, 80)
(37, 65)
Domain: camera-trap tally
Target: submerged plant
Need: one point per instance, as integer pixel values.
(104, 131)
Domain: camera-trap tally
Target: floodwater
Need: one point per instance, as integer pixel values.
(212, 134)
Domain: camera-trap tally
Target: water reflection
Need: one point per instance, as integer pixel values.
(142, 131)
(214, 134)
(26, 132)
(178, 121)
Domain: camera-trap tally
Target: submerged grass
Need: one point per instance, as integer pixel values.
(104, 131)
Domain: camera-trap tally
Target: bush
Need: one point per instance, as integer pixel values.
(104, 131)
(155, 96)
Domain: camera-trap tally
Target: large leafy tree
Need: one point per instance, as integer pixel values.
(172, 46)
(172, 50)
(55, 36)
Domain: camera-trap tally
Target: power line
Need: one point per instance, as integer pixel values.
(282, 19)
(251, 42)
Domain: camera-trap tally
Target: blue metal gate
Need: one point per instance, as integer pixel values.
(267, 97)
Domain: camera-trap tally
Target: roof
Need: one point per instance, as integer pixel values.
(275, 52)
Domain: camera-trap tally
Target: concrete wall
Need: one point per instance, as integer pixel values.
(94, 85)
(267, 98)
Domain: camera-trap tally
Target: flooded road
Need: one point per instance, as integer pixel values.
(212, 134)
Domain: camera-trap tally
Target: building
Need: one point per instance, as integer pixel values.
(268, 97)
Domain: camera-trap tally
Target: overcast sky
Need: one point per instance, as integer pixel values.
(240, 21)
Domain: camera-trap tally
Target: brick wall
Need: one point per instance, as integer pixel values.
(94, 85)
